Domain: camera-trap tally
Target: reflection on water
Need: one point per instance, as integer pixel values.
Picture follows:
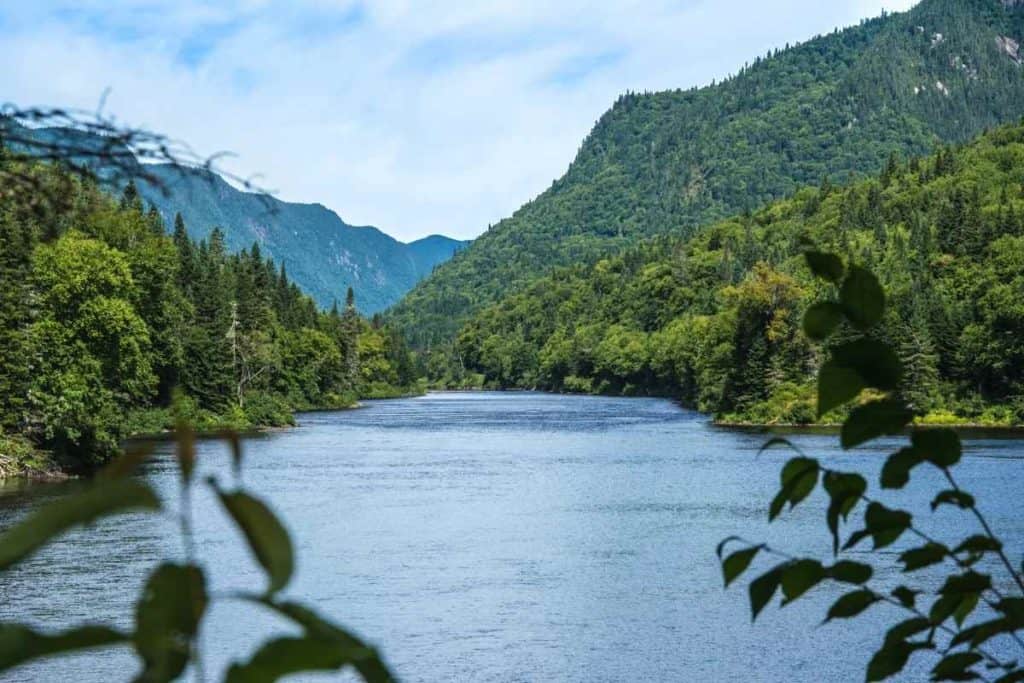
(485, 536)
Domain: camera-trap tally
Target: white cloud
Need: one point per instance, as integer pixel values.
(415, 117)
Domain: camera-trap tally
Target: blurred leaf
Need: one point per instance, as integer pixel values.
(826, 266)
(872, 420)
(862, 298)
(979, 633)
(885, 525)
(850, 572)
(926, 555)
(737, 563)
(953, 497)
(837, 385)
(822, 319)
(844, 490)
(236, 452)
(125, 465)
(906, 596)
(954, 667)
(968, 582)
(186, 451)
(1012, 677)
(98, 500)
(763, 588)
(892, 658)
(267, 537)
(875, 362)
(799, 577)
(283, 656)
(941, 447)
(1013, 608)
(906, 629)
(166, 619)
(896, 471)
(851, 604)
(20, 644)
(778, 441)
(979, 544)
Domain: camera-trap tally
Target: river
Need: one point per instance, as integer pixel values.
(505, 537)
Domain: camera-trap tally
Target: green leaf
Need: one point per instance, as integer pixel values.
(925, 556)
(778, 441)
(798, 478)
(98, 500)
(979, 544)
(1012, 677)
(906, 596)
(966, 583)
(1013, 608)
(954, 667)
(892, 658)
(850, 572)
(826, 266)
(872, 420)
(267, 537)
(837, 385)
(822, 319)
(185, 451)
(851, 604)
(906, 629)
(284, 656)
(364, 658)
(862, 298)
(885, 525)
(896, 471)
(875, 362)
(979, 633)
(799, 577)
(737, 563)
(941, 447)
(763, 588)
(844, 491)
(134, 455)
(20, 644)
(960, 499)
(166, 619)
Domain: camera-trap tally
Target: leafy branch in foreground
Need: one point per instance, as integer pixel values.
(961, 619)
(169, 612)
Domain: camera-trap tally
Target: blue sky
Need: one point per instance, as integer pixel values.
(417, 117)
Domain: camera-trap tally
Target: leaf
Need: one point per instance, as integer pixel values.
(826, 266)
(941, 447)
(966, 583)
(778, 441)
(871, 420)
(979, 544)
(896, 471)
(891, 659)
(763, 588)
(97, 501)
(906, 596)
(961, 499)
(885, 525)
(905, 629)
(166, 619)
(284, 656)
(236, 452)
(364, 658)
(821, 320)
(267, 537)
(799, 577)
(844, 490)
(979, 633)
(185, 451)
(837, 385)
(125, 465)
(851, 604)
(737, 563)
(798, 478)
(954, 667)
(850, 572)
(875, 362)
(1012, 677)
(20, 644)
(862, 298)
(1013, 608)
(925, 556)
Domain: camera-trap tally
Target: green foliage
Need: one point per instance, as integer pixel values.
(670, 163)
(727, 320)
(970, 609)
(171, 606)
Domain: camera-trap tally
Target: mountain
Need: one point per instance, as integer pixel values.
(323, 254)
(671, 162)
(715, 319)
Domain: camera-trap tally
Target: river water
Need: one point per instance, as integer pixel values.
(505, 537)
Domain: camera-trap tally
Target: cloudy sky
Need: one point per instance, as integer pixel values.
(417, 117)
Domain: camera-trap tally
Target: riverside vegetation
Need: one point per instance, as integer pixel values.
(714, 319)
(105, 318)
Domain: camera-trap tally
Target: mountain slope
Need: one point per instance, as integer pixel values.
(670, 162)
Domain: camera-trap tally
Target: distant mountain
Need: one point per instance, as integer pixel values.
(321, 252)
(672, 162)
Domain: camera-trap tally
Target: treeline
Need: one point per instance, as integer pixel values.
(672, 162)
(107, 321)
(715, 319)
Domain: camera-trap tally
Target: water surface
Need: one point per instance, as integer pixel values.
(504, 537)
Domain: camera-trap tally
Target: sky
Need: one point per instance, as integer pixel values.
(416, 117)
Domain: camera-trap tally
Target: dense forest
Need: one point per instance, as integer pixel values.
(715, 319)
(671, 162)
(112, 325)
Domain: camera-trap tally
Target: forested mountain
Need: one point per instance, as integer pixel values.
(104, 316)
(671, 162)
(321, 252)
(715, 319)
